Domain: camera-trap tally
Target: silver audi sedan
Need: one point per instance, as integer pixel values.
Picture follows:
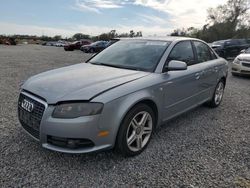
(121, 95)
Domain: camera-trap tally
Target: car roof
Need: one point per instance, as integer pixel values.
(166, 38)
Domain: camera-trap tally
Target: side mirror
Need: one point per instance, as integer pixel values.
(174, 65)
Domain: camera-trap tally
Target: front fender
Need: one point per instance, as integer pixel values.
(114, 112)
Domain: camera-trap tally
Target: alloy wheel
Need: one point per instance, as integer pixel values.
(219, 93)
(139, 131)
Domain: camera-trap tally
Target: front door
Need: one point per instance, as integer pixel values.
(181, 88)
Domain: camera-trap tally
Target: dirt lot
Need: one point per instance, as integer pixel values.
(203, 148)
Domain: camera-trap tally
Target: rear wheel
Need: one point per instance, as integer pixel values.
(218, 95)
(136, 130)
(91, 50)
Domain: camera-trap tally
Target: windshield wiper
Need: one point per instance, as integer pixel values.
(117, 66)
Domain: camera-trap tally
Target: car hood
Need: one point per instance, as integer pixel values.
(79, 82)
(244, 57)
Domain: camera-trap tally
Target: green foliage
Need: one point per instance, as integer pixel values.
(112, 34)
(57, 37)
(225, 21)
(79, 36)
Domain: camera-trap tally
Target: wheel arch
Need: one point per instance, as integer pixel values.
(149, 102)
(224, 80)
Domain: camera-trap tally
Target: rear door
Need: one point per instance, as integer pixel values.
(208, 62)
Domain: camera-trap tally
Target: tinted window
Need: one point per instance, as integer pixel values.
(132, 54)
(183, 51)
(232, 42)
(242, 41)
(203, 52)
(247, 51)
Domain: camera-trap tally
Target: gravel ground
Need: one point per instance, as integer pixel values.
(202, 148)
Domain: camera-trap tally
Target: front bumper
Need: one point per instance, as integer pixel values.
(243, 68)
(79, 135)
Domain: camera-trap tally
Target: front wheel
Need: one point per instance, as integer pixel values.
(135, 131)
(218, 95)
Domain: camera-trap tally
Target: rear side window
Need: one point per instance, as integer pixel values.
(242, 41)
(204, 53)
(232, 42)
(182, 51)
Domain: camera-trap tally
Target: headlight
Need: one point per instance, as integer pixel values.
(75, 110)
(237, 61)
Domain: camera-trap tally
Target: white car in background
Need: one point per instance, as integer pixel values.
(60, 44)
(241, 64)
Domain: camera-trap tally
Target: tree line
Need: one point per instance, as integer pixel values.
(231, 20)
(78, 36)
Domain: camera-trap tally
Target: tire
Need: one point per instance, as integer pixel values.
(218, 95)
(91, 50)
(132, 129)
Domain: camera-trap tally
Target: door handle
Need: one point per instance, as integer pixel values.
(197, 76)
(216, 69)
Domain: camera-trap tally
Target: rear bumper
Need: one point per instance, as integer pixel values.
(68, 48)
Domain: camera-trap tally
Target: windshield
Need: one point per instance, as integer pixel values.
(132, 54)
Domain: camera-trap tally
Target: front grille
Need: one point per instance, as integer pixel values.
(31, 120)
(247, 60)
(245, 72)
(246, 64)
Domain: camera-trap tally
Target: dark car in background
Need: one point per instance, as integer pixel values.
(231, 47)
(76, 45)
(95, 47)
(112, 41)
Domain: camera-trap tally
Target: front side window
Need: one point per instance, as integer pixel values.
(182, 51)
(132, 54)
(203, 52)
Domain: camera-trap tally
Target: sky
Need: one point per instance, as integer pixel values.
(93, 17)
